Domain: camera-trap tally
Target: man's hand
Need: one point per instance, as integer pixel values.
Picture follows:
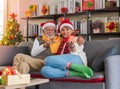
(49, 42)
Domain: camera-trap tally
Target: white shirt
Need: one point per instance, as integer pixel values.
(37, 48)
(79, 51)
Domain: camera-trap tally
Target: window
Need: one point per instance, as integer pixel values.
(2, 10)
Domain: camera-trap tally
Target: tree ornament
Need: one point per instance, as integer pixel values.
(12, 16)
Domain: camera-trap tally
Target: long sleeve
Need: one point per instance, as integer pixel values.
(79, 51)
(37, 48)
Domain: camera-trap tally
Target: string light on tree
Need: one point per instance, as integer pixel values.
(13, 35)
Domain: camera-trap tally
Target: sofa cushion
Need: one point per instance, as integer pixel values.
(98, 77)
(93, 47)
(98, 63)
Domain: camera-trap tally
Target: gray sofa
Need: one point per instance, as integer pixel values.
(103, 57)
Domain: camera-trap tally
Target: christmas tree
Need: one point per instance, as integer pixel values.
(13, 35)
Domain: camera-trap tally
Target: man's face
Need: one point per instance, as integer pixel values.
(49, 31)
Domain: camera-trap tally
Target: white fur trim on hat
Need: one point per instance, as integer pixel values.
(66, 24)
(48, 24)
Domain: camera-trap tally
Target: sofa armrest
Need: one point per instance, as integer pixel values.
(112, 72)
(7, 54)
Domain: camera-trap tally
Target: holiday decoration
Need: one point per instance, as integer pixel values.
(10, 76)
(66, 22)
(88, 4)
(33, 10)
(9, 70)
(0, 80)
(111, 26)
(61, 19)
(13, 35)
(97, 26)
(77, 9)
(33, 7)
(28, 13)
(64, 10)
(44, 9)
(48, 23)
(12, 16)
(110, 4)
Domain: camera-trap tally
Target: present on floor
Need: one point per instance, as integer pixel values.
(15, 79)
(10, 76)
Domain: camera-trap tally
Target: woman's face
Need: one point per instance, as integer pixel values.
(49, 31)
(66, 31)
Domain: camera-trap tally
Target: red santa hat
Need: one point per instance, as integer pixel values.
(66, 22)
(46, 24)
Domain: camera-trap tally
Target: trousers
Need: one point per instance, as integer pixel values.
(25, 63)
(55, 66)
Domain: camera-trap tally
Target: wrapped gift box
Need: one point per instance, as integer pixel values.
(15, 79)
(111, 27)
(33, 10)
(44, 9)
(97, 26)
(88, 5)
(110, 4)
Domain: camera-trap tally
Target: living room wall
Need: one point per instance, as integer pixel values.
(23, 6)
(20, 6)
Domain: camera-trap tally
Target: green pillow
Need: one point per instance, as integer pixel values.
(98, 63)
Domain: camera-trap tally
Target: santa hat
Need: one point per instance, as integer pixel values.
(46, 24)
(66, 22)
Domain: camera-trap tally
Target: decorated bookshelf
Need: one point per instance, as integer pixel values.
(86, 26)
(109, 28)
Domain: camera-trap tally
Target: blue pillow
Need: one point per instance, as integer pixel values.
(98, 63)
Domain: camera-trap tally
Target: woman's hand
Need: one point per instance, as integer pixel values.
(71, 39)
(80, 40)
(71, 42)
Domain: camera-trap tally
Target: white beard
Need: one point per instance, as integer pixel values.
(50, 36)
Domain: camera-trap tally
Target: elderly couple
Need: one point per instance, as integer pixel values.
(59, 56)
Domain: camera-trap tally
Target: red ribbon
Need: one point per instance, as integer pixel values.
(111, 26)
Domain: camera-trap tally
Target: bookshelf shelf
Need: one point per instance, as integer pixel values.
(86, 13)
(115, 9)
(112, 33)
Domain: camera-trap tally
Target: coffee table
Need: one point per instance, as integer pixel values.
(33, 82)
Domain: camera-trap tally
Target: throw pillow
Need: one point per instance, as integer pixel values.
(98, 63)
